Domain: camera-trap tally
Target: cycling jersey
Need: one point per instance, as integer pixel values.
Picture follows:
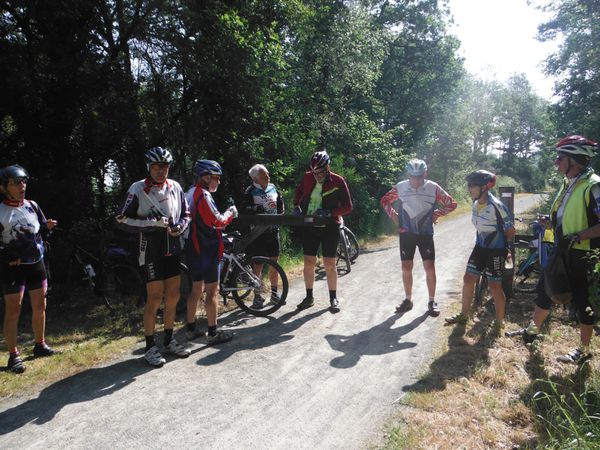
(145, 207)
(335, 195)
(418, 208)
(20, 228)
(207, 222)
(269, 201)
(491, 220)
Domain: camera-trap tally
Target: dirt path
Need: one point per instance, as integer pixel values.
(306, 379)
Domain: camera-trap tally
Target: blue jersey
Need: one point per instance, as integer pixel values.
(491, 220)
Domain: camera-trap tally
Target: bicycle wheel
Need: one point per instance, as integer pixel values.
(481, 290)
(353, 246)
(245, 281)
(120, 284)
(343, 252)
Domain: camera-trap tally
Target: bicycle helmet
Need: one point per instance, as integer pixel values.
(206, 167)
(577, 145)
(482, 178)
(319, 160)
(416, 167)
(12, 172)
(158, 155)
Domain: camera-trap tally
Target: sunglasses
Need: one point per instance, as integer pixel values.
(473, 185)
(18, 180)
(320, 172)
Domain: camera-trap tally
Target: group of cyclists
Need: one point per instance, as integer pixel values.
(172, 225)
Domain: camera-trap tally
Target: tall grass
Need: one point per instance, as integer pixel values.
(570, 419)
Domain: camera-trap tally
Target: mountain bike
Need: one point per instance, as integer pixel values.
(539, 251)
(348, 248)
(109, 274)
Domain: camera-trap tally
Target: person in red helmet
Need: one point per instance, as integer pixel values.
(322, 193)
(575, 218)
(21, 262)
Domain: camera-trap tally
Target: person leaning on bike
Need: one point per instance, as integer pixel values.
(22, 262)
(322, 193)
(156, 209)
(204, 246)
(575, 218)
(261, 197)
(494, 228)
(421, 203)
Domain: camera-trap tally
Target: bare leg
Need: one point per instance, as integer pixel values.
(192, 301)
(468, 292)
(12, 310)
(430, 277)
(331, 272)
(171, 298)
(309, 271)
(407, 278)
(155, 290)
(38, 313)
(499, 298)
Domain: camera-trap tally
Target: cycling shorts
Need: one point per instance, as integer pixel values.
(487, 260)
(16, 278)
(327, 237)
(267, 244)
(409, 243)
(161, 268)
(203, 267)
(577, 268)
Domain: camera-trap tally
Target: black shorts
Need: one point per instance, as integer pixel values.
(203, 267)
(327, 237)
(409, 243)
(162, 268)
(17, 278)
(489, 261)
(577, 264)
(267, 244)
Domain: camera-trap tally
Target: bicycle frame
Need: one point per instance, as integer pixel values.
(229, 259)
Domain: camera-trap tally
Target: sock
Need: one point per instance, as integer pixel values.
(212, 330)
(150, 342)
(532, 328)
(168, 336)
(14, 353)
(309, 293)
(332, 295)
(191, 326)
(40, 344)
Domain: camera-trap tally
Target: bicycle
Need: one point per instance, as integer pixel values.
(539, 251)
(112, 275)
(348, 247)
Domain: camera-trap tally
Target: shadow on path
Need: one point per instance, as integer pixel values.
(377, 340)
(82, 387)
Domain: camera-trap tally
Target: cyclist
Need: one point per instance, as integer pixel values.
(156, 209)
(204, 246)
(421, 203)
(494, 228)
(322, 193)
(575, 218)
(22, 224)
(261, 197)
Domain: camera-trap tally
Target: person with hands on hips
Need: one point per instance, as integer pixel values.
(204, 246)
(322, 193)
(22, 224)
(156, 210)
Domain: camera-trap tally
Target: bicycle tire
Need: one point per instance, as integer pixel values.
(525, 288)
(240, 278)
(353, 244)
(120, 284)
(343, 252)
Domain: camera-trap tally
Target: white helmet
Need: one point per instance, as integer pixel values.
(416, 167)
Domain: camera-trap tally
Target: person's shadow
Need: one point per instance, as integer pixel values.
(377, 340)
(271, 332)
(81, 387)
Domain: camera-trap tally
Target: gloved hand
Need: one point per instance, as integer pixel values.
(323, 212)
(233, 211)
(297, 211)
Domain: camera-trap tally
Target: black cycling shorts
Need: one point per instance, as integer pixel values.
(327, 237)
(267, 244)
(489, 261)
(17, 278)
(203, 267)
(162, 268)
(409, 243)
(577, 264)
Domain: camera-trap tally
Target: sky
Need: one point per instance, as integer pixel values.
(498, 39)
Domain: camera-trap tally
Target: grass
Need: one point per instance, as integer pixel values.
(482, 392)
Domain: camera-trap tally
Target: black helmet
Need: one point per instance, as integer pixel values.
(12, 172)
(158, 155)
(319, 160)
(482, 178)
(207, 167)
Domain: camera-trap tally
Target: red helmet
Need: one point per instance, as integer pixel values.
(319, 160)
(577, 145)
